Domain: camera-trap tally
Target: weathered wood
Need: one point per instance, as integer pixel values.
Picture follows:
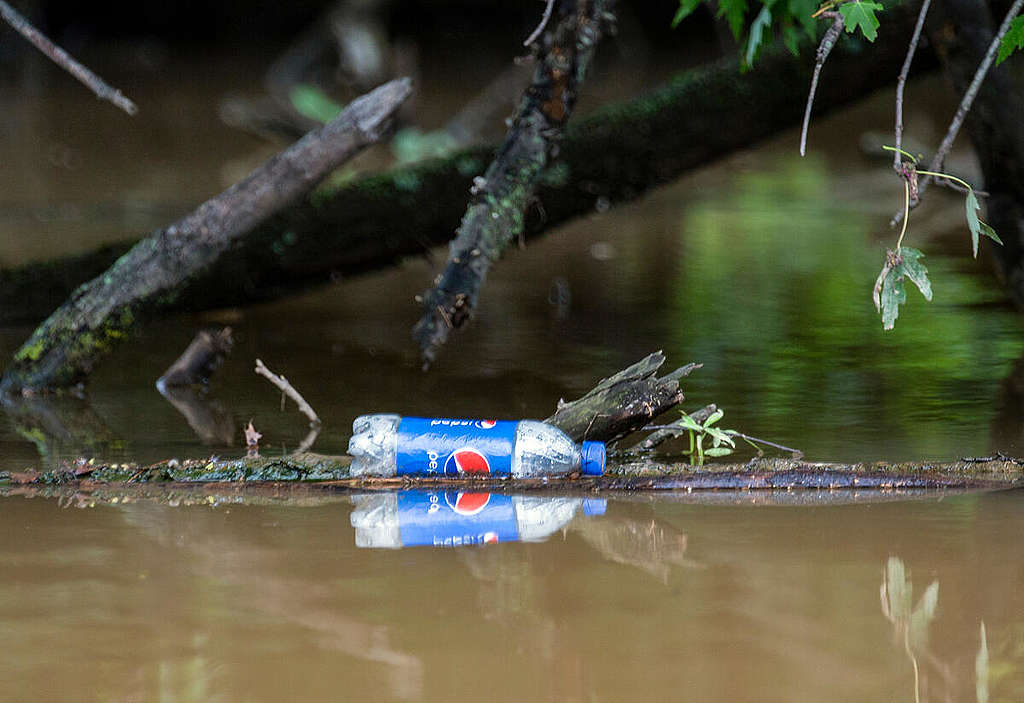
(622, 403)
(495, 216)
(331, 473)
(63, 350)
(615, 155)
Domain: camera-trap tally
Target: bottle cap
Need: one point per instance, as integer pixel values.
(593, 458)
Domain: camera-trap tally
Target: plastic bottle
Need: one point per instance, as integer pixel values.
(390, 445)
(459, 518)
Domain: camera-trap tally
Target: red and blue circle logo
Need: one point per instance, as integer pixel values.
(486, 424)
(466, 461)
(467, 503)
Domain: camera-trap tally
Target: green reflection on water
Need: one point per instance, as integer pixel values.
(773, 295)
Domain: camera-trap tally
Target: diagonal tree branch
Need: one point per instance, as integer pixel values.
(63, 350)
(64, 60)
(494, 217)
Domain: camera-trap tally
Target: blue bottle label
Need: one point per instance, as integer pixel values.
(455, 518)
(455, 447)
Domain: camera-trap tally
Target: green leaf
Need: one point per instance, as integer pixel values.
(690, 424)
(894, 292)
(713, 418)
(893, 295)
(976, 226)
(913, 269)
(791, 38)
(735, 11)
(1012, 40)
(858, 14)
(686, 8)
(757, 35)
(309, 101)
(718, 451)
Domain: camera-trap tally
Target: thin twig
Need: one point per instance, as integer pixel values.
(966, 101)
(902, 80)
(543, 23)
(749, 438)
(824, 49)
(286, 388)
(65, 61)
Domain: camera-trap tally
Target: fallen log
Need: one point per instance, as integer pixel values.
(613, 155)
(62, 351)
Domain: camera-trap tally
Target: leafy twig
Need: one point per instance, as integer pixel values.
(64, 60)
(824, 49)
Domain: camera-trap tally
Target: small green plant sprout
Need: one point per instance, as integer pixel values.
(722, 443)
(905, 262)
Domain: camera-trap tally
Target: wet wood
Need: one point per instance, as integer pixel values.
(99, 314)
(201, 358)
(622, 403)
(611, 156)
(496, 214)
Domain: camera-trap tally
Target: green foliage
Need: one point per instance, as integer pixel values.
(735, 12)
(861, 15)
(721, 443)
(794, 20)
(309, 101)
(757, 35)
(1012, 40)
(686, 8)
(976, 226)
(905, 263)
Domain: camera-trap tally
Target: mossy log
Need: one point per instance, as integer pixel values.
(613, 155)
(495, 216)
(619, 404)
(62, 350)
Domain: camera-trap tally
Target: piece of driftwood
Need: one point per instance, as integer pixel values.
(63, 350)
(496, 214)
(613, 155)
(331, 473)
(622, 403)
(201, 358)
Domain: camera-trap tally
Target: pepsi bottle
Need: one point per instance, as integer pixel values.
(392, 445)
(460, 518)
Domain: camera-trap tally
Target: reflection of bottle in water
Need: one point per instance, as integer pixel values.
(456, 518)
(386, 445)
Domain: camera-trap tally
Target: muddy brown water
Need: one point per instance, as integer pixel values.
(760, 266)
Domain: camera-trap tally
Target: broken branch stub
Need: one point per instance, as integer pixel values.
(63, 350)
(622, 403)
(494, 217)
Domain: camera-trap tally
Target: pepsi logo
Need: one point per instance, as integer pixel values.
(466, 461)
(486, 424)
(467, 503)
(490, 538)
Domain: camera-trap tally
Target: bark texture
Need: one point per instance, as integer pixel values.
(615, 154)
(495, 216)
(63, 350)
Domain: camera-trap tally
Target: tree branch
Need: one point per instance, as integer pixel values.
(902, 80)
(62, 351)
(64, 60)
(495, 216)
(824, 49)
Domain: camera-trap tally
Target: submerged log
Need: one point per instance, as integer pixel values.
(613, 155)
(63, 350)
